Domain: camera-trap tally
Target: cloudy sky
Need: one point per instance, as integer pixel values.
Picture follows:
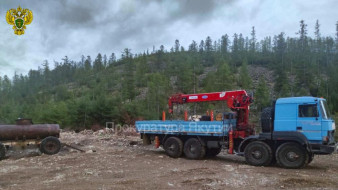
(87, 27)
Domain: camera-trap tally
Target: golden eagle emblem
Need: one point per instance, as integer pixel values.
(19, 18)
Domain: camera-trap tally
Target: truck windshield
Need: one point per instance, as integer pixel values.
(324, 109)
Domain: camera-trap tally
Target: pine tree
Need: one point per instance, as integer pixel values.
(142, 68)
(162, 48)
(280, 48)
(244, 78)
(88, 63)
(235, 50)
(317, 32)
(253, 40)
(242, 44)
(193, 46)
(302, 36)
(201, 47)
(0, 85)
(252, 46)
(262, 95)
(304, 76)
(266, 47)
(105, 61)
(337, 37)
(208, 45)
(6, 85)
(224, 44)
(317, 51)
(112, 59)
(128, 84)
(177, 45)
(208, 56)
(282, 86)
(98, 65)
(221, 80)
(83, 59)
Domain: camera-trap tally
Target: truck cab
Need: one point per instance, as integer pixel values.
(309, 116)
(293, 131)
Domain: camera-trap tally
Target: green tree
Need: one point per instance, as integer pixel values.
(201, 47)
(88, 63)
(244, 79)
(177, 45)
(98, 63)
(193, 46)
(262, 96)
(128, 84)
(235, 54)
(221, 80)
(282, 86)
(280, 48)
(225, 44)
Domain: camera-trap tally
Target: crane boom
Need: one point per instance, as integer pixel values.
(237, 101)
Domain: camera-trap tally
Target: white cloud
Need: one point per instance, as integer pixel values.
(75, 28)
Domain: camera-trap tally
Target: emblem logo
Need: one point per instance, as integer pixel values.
(193, 97)
(221, 95)
(19, 18)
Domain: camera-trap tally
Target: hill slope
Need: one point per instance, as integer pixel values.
(84, 93)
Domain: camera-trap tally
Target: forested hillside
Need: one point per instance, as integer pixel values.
(96, 90)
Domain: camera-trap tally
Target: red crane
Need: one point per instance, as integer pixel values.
(238, 101)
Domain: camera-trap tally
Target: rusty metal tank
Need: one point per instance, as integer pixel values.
(28, 132)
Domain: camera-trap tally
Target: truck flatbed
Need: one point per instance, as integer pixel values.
(180, 127)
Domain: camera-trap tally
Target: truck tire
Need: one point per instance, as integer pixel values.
(267, 119)
(193, 149)
(173, 146)
(258, 153)
(212, 152)
(2, 151)
(50, 145)
(291, 155)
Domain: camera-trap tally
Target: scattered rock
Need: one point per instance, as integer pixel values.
(133, 143)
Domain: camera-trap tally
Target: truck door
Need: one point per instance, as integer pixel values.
(309, 122)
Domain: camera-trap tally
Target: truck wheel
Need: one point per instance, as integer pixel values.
(173, 146)
(258, 153)
(267, 119)
(50, 145)
(2, 151)
(291, 155)
(193, 149)
(212, 152)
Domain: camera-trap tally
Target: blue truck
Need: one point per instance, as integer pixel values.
(293, 130)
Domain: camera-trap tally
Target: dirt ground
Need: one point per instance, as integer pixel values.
(117, 162)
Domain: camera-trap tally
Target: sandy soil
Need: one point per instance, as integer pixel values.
(116, 162)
